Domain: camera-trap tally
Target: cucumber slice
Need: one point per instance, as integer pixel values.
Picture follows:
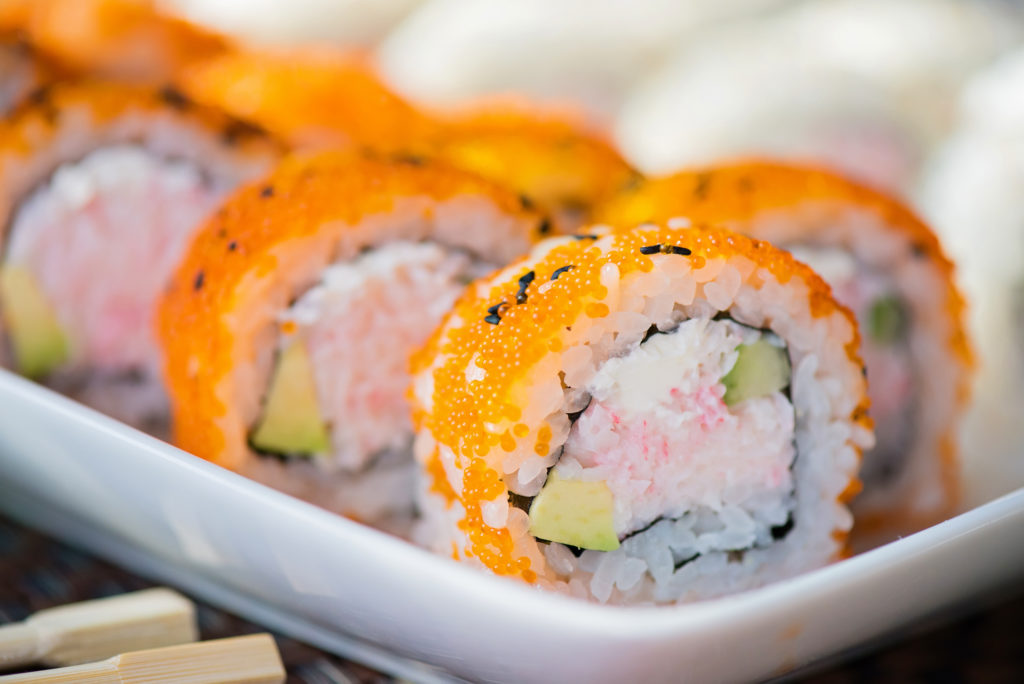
(39, 343)
(291, 423)
(888, 320)
(761, 368)
(574, 512)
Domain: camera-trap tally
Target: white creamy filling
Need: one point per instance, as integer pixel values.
(659, 434)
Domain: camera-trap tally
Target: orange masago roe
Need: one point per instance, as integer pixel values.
(552, 158)
(311, 97)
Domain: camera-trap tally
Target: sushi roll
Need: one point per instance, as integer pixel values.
(288, 325)
(312, 97)
(101, 187)
(657, 415)
(885, 264)
(552, 157)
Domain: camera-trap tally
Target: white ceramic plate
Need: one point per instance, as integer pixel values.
(362, 594)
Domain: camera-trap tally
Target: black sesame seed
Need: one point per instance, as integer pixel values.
(673, 249)
(232, 246)
(197, 284)
(918, 249)
(650, 249)
(633, 182)
(40, 95)
(524, 282)
(234, 131)
(493, 319)
(267, 191)
(700, 191)
(496, 309)
(545, 227)
(560, 271)
(173, 97)
(526, 202)
(410, 159)
(585, 237)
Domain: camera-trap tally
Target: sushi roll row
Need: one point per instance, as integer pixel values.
(482, 330)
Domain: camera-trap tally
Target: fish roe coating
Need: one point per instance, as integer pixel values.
(127, 39)
(463, 413)
(736, 194)
(305, 197)
(311, 97)
(48, 113)
(555, 161)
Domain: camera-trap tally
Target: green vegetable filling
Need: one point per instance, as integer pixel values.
(761, 368)
(291, 422)
(38, 341)
(576, 513)
(888, 320)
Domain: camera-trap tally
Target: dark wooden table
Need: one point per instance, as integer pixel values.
(985, 645)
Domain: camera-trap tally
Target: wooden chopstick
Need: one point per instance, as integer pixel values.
(240, 660)
(94, 630)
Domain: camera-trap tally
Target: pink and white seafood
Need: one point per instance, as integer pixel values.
(658, 432)
(102, 238)
(360, 323)
(102, 186)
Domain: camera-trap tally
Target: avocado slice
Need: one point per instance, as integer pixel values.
(291, 421)
(761, 368)
(36, 336)
(574, 512)
(887, 320)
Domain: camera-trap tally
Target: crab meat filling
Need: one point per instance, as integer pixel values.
(683, 426)
(97, 244)
(357, 328)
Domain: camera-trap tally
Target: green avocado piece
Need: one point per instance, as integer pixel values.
(574, 512)
(36, 336)
(291, 421)
(761, 368)
(887, 320)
